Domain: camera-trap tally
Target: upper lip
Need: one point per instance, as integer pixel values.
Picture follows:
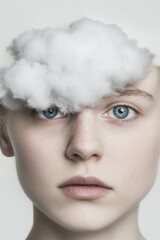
(79, 180)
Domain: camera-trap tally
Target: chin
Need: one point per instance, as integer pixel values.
(87, 221)
(83, 226)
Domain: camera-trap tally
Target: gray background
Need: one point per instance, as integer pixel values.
(140, 19)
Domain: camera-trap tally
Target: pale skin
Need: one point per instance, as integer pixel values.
(123, 154)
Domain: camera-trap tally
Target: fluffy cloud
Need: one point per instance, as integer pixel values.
(71, 68)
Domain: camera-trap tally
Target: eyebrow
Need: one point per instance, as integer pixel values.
(135, 92)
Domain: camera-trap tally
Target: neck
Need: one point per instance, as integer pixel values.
(124, 228)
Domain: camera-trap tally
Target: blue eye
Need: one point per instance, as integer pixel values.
(121, 112)
(50, 113)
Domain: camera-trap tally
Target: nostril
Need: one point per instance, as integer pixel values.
(95, 155)
(83, 156)
(76, 156)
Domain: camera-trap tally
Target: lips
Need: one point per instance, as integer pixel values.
(84, 188)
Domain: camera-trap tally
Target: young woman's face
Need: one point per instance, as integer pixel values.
(118, 145)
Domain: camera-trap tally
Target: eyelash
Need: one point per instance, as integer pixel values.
(34, 113)
(124, 122)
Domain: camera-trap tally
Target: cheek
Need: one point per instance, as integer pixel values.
(37, 159)
(134, 160)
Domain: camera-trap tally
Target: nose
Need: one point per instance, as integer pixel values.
(84, 142)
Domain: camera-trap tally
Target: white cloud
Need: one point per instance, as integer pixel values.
(71, 68)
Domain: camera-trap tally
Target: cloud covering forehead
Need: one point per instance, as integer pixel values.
(71, 68)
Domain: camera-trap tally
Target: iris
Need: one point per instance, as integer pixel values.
(50, 112)
(121, 111)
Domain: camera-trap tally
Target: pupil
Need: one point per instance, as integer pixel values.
(120, 111)
(50, 110)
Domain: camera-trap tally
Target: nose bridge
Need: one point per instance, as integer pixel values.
(84, 125)
(84, 142)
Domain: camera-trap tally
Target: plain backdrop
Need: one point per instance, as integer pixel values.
(140, 19)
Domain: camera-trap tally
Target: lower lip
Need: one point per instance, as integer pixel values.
(84, 192)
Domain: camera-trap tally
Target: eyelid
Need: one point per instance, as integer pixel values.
(36, 114)
(112, 105)
(122, 121)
